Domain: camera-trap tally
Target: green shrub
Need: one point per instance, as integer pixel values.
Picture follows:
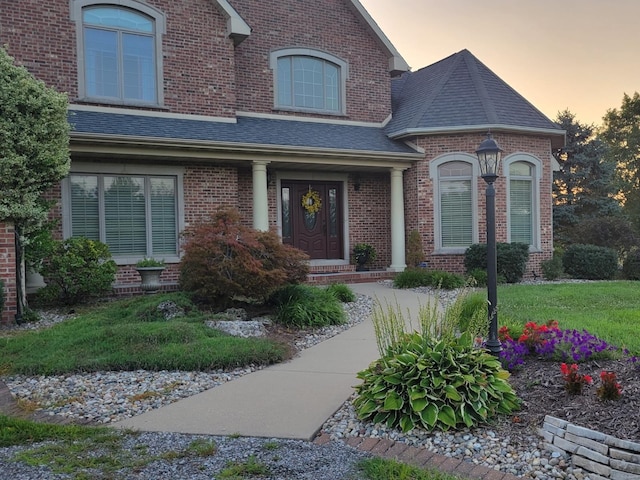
(342, 292)
(590, 262)
(446, 280)
(306, 306)
(631, 265)
(224, 260)
(511, 259)
(552, 268)
(412, 278)
(418, 277)
(477, 277)
(611, 231)
(434, 384)
(77, 269)
(415, 250)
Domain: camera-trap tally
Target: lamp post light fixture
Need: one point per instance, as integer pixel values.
(489, 158)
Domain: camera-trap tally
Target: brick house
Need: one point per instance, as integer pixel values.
(178, 108)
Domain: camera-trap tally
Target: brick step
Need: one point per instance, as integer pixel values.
(349, 277)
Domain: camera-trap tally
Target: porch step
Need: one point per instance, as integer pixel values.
(320, 269)
(349, 277)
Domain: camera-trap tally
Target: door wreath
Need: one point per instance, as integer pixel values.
(311, 202)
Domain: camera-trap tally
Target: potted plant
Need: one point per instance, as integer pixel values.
(363, 253)
(150, 270)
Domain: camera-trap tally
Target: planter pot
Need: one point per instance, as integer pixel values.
(150, 278)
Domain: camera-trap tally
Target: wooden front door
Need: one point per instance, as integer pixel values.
(315, 227)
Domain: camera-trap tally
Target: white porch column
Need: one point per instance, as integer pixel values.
(260, 200)
(398, 263)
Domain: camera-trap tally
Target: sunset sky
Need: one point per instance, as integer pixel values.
(577, 54)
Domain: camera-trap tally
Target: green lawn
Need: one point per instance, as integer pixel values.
(129, 335)
(609, 310)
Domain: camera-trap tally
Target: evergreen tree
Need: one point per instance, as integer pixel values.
(584, 187)
(621, 132)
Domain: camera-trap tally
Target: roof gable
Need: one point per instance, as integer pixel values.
(397, 64)
(460, 92)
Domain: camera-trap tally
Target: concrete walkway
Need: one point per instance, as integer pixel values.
(288, 400)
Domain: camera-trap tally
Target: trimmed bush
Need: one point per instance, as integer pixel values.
(342, 292)
(418, 277)
(631, 265)
(511, 259)
(303, 306)
(224, 260)
(77, 269)
(552, 268)
(590, 262)
(434, 384)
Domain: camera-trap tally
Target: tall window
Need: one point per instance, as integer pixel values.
(136, 215)
(119, 52)
(521, 203)
(308, 80)
(455, 215)
(524, 202)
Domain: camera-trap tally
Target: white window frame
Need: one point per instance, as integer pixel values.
(79, 168)
(536, 177)
(434, 167)
(343, 73)
(159, 20)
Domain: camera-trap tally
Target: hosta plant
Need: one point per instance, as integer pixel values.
(429, 383)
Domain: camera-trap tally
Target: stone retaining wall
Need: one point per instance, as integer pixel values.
(602, 456)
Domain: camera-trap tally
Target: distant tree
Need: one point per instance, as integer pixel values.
(621, 132)
(585, 186)
(34, 151)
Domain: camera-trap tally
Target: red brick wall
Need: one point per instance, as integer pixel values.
(329, 26)
(419, 207)
(198, 57)
(370, 216)
(8, 272)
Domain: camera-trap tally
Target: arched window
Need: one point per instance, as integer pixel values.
(308, 80)
(455, 213)
(119, 52)
(523, 173)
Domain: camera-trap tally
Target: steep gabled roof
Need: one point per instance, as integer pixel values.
(460, 93)
(397, 64)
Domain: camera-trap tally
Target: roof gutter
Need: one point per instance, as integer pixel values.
(557, 141)
(90, 143)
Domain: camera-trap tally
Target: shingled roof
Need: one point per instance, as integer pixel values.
(245, 131)
(461, 93)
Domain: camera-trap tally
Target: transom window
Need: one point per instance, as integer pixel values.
(455, 215)
(119, 52)
(136, 215)
(308, 80)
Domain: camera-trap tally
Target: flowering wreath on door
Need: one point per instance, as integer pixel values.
(311, 201)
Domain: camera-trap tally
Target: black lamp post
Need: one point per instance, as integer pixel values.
(489, 157)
